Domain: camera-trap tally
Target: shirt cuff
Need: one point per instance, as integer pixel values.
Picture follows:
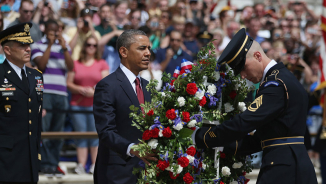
(193, 136)
(128, 150)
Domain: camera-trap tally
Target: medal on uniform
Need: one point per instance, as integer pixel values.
(5, 81)
(7, 108)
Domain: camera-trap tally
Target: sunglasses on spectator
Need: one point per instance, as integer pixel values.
(91, 45)
(26, 11)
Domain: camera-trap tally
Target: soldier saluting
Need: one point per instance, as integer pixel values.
(21, 91)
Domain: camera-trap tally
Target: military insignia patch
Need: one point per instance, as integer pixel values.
(211, 134)
(7, 108)
(26, 28)
(256, 104)
(271, 83)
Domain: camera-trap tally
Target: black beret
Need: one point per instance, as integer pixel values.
(235, 52)
(19, 33)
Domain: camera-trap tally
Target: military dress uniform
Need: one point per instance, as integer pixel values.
(278, 115)
(20, 116)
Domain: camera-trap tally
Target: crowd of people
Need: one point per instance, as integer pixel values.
(75, 47)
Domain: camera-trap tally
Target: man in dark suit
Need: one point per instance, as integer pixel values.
(113, 96)
(278, 115)
(20, 109)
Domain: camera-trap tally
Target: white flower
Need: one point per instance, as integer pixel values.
(178, 127)
(181, 101)
(203, 165)
(153, 143)
(237, 165)
(211, 89)
(228, 107)
(162, 93)
(242, 106)
(216, 75)
(192, 123)
(199, 95)
(170, 168)
(226, 171)
(160, 133)
(191, 158)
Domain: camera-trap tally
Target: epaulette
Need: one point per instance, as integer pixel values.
(38, 70)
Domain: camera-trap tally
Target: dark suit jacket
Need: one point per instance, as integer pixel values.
(20, 126)
(112, 99)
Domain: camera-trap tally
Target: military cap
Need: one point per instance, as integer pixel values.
(235, 52)
(19, 33)
(204, 37)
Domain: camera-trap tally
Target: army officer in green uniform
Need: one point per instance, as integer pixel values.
(278, 114)
(21, 90)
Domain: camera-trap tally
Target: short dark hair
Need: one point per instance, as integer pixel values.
(51, 21)
(127, 38)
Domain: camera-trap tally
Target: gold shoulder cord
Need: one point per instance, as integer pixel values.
(205, 136)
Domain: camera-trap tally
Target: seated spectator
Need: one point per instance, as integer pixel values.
(84, 29)
(172, 56)
(81, 82)
(43, 13)
(52, 56)
(26, 11)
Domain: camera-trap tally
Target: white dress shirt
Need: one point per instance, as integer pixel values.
(131, 77)
(17, 69)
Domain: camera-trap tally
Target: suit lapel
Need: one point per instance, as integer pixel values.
(147, 95)
(126, 86)
(12, 76)
(31, 80)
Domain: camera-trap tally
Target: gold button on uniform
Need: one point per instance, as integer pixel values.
(272, 163)
(30, 111)
(30, 122)
(29, 99)
(30, 133)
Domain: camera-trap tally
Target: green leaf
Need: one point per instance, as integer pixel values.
(185, 132)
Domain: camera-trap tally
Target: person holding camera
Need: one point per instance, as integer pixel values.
(84, 29)
(52, 56)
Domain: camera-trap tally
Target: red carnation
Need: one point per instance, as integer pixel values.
(233, 94)
(162, 164)
(191, 151)
(191, 88)
(222, 155)
(154, 132)
(150, 112)
(172, 82)
(173, 177)
(222, 75)
(170, 114)
(146, 135)
(203, 101)
(188, 178)
(183, 161)
(167, 132)
(185, 116)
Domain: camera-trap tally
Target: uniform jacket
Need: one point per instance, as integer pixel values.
(20, 125)
(279, 110)
(112, 99)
